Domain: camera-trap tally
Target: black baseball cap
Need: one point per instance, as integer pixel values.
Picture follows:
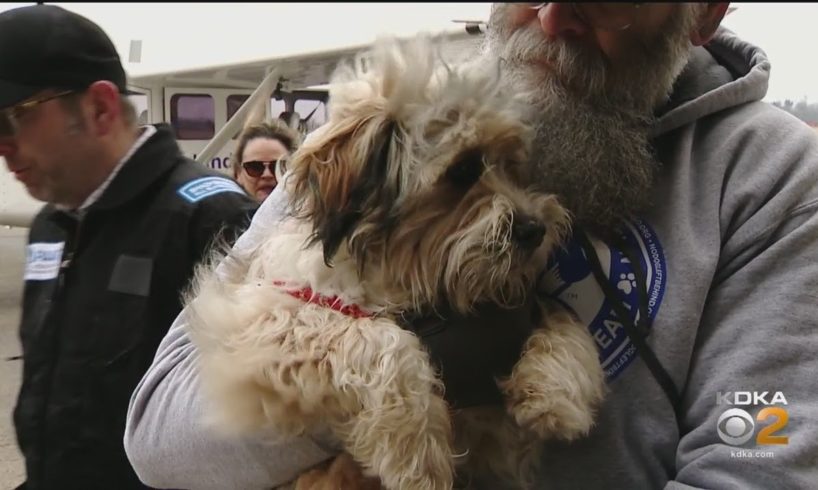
(47, 47)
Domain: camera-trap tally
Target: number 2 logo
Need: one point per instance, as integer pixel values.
(765, 435)
(735, 426)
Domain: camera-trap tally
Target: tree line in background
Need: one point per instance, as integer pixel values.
(802, 109)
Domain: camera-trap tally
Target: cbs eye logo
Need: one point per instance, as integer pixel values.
(735, 426)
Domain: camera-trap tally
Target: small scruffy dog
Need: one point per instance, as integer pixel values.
(413, 196)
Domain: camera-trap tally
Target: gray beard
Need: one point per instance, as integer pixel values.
(592, 146)
(599, 164)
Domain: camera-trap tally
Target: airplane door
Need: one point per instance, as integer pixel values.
(141, 99)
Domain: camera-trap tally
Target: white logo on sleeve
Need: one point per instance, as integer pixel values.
(43, 261)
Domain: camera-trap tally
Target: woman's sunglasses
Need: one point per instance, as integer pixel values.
(255, 168)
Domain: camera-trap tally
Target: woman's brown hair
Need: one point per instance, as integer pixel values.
(274, 130)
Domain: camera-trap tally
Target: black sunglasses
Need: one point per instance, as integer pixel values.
(255, 168)
(9, 117)
(612, 16)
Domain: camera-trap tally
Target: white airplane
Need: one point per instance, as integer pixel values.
(208, 106)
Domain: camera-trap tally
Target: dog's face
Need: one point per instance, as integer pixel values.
(422, 175)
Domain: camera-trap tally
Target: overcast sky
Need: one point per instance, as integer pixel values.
(189, 35)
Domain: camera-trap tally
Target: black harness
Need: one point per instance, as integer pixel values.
(469, 379)
(637, 330)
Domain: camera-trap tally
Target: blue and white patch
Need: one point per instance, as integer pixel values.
(196, 190)
(570, 281)
(43, 261)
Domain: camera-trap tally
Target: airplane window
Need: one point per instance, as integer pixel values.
(234, 102)
(193, 116)
(277, 106)
(315, 110)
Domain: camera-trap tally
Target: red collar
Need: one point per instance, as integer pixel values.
(307, 295)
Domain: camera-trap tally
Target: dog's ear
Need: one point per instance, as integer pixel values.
(371, 196)
(343, 176)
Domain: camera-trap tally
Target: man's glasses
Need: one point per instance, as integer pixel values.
(606, 16)
(10, 116)
(255, 168)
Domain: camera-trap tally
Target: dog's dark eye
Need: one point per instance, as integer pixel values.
(466, 169)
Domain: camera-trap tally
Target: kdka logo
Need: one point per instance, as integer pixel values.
(736, 426)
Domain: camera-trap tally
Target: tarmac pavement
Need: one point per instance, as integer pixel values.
(12, 260)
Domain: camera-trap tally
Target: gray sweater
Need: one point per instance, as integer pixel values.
(731, 255)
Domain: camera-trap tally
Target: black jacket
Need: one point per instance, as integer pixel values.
(93, 317)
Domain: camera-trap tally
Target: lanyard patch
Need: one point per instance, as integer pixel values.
(43, 261)
(570, 281)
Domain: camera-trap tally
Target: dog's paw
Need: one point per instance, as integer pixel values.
(412, 458)
(557, 385)
(564, 419)
(342, 474)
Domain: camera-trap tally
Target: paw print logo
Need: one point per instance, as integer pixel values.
(626, 282)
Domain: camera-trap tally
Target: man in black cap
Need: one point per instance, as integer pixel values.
(127, 219)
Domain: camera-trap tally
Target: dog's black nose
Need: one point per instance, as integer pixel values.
(527, 232)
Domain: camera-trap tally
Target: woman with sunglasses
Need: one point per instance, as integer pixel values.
(261, 155)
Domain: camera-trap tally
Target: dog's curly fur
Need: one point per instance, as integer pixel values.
(414, 195)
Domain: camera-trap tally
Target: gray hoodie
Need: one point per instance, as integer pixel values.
(730, 255)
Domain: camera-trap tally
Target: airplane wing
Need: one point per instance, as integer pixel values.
(303, 70)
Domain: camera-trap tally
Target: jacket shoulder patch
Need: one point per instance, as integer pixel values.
(201, 188)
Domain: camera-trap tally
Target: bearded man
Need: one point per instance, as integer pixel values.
(694, 266)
